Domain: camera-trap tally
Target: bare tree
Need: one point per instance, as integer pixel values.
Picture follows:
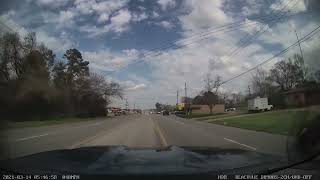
(30, 42)
(211, 88)
(289, 74)
(260, 83)
(212, 85)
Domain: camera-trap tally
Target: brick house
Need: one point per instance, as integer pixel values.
(301, 97)
(199, 109)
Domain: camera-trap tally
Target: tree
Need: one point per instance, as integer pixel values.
(33, 85)
(34, 93)
(158, 106)
(210, 99)
(289, 74)
(198, 100)
(77, 68)
(59, 75)
(317, 76)
(11, 56)
(262, 84)
(47, 54)
(30, 42)
(210, 94)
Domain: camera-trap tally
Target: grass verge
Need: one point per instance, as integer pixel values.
(278, 122)
(50, 122)
(222, 115)
(201, 115)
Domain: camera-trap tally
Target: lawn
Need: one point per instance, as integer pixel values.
(200, 115)
(278, 122)
(56, 121)
(216, 116)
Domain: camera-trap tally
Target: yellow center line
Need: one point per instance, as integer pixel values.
(160, 133)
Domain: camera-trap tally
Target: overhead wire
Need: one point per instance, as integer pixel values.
(303, 39)
(212, 30)
(206, 36)
(257, 34)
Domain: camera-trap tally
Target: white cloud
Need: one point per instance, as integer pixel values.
(102, 9)
(155, 14)
(109, 6)
(139, 17)
(106, 60)
(103, 17)
(288, 5)
(202, 15)
(251, 7)
(136, 87)
(120, 21)
(165, 4)
(54, 43)
(165, 24)
(12, 25)
(66, 17)
(51, 3)
(84, 6)
(254, 26)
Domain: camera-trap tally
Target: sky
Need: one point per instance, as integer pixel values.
(152, 47)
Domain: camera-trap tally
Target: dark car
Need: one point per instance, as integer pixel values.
(165, 113)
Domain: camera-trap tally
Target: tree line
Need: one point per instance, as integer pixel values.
(35, 85)
(284, 76)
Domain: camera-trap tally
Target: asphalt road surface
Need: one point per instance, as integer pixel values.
(150, 131)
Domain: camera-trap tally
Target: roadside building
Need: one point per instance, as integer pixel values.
(301, 97)
(204, 109)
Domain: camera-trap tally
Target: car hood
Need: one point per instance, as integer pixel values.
(115, 160)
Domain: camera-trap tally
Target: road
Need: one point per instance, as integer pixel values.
(137, 131)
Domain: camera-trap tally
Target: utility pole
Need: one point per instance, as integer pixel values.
(185, 90)
(249, 91)
(177, 97)
(186, 103)
(299, 43)
(127, 104)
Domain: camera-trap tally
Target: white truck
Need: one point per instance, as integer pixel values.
(259, 104)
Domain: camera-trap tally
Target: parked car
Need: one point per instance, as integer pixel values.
(165, 113)
(230, 109)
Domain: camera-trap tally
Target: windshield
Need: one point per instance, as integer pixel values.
(217, 75)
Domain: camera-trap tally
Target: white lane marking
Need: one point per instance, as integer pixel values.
(250, 147)
(31, 137)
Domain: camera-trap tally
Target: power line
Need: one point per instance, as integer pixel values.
(184, 45)
(209, 31)
(174, 45)
(261, 31)
(303, 39)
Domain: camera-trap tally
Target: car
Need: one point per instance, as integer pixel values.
(230, 109)
(159, 112)
(165, 113)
